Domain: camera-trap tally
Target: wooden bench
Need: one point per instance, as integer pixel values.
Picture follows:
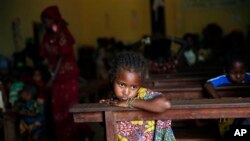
(184, 78)
(174, 81)
(180, 109)
(197, 91)
(186, 74)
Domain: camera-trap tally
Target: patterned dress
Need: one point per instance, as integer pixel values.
(141, 130)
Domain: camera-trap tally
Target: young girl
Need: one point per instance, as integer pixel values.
(127, 73)
(37, 79)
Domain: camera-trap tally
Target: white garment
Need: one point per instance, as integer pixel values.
(1, 102)
(190, 57)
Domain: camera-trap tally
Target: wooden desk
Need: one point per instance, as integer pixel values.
(189, 74)
(181, 109)
(184, 78)
(182, 91)
(161, 82)
(197, 91)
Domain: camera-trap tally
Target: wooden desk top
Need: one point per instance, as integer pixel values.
(190, 73)
(196, 87)
(199, 87)
(176, 104)
(181, 109)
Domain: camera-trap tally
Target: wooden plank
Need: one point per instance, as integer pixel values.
(182, 92)
(197, 91)
(191, 78)
(88, 117)
(183, 88)
(174, 114)
(210, 103)
(175, 104)
(110, 120)
(97, 107)
(234, 91)
(234, 87)
(202, 113)
(174, 81)
(186, 74)
(180, 109)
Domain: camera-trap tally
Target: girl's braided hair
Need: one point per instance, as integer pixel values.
(130, 61)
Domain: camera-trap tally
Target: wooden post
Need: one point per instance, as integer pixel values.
(110, 123)
(157, 17)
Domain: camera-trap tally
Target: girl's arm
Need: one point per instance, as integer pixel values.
(211, 90)
(158, 104)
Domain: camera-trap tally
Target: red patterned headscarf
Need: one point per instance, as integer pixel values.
(52, 12)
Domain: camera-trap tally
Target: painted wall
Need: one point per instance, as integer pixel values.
(126, 20)
(193, 15)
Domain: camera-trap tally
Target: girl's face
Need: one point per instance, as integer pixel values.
(127, 84)
(237, 72)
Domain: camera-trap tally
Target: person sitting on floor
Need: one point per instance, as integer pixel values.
(31, 113)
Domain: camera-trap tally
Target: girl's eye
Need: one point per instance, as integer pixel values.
(121, 85)
(133, 87)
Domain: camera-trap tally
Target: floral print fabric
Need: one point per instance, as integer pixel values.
(140, 130)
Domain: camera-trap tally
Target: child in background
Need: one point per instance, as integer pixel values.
(236, 73)
(190, 53)
(38, 81)
(14, 90)
(127, 73)
(31, 114)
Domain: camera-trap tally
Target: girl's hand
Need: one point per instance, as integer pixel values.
(121, 104)
(108, 101)
(104, 101)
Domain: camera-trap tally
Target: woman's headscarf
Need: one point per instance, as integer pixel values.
(52, 12)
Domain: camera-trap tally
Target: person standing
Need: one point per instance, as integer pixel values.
(57, 49)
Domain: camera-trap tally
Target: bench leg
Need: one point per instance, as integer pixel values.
(110, 125)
